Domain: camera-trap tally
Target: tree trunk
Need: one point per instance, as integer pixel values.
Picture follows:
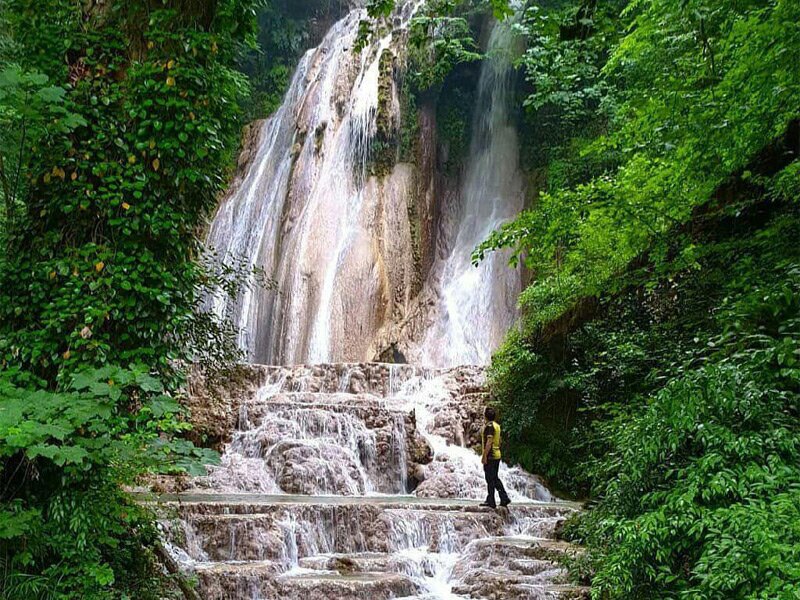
(172, 567)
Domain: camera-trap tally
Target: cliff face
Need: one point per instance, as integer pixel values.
(343, 199)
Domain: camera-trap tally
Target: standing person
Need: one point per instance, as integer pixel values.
(490, 441)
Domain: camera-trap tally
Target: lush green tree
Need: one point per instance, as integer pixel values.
(102, 264)
(654, 368)
(67, 529)
(701, 487)
(122, 121)
(698, 89)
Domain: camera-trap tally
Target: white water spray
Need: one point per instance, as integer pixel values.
(477, 305)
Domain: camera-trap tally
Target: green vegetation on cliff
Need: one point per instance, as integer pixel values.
(656, 369)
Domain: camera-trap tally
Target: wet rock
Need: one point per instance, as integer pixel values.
(214, 403)
(418, 474)
(443, 484)
(342, 430)
(323, 468)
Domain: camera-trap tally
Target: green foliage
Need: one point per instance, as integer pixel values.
(637, 119)
(454, 126)
(91, 424)
(656, 366)
(438, 45)
(284, 32)
(64, 456)
(701, 489)
(444, 36)
(564, 70)
(727, 86)
(31, 113)
(383, 8)
(674, 404)
(380, 8)
(123, 120)
(101, 267)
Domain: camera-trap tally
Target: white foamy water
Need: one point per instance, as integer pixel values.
(304, 214)
(305, 432)
(477, 305)
(313, 493)
(431, 401)
(338, 242)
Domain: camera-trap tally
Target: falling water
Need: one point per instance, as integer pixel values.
(478, 305)
(337, 241)
(303, 214)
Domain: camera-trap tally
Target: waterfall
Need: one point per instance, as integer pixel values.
(339, 477)
(477, 305)
(338, 242)
(303, 214)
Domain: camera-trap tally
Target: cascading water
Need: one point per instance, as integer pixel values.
(304, 215)
(311, 499)
(477, 305)
(361, 481)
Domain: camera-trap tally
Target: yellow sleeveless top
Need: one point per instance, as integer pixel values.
(494, 431)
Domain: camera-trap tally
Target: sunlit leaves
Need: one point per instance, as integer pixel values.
(438, 44)
(683, 95)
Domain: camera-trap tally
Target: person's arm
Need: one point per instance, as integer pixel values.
(488, 435)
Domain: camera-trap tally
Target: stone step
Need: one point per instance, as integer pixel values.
(527, 577)
(374, 411)
(534, 592)
(419, 563)
(381, 577)
(248, 503)
(242, 581)
(326, 399)
(361, 562)
(283, 529)
(512, 568)
(380, 379)
(502, 576)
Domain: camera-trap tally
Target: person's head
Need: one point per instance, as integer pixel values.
(490, 413)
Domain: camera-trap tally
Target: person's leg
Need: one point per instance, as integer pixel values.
(504, 499)
(490, 470)
(489, 486)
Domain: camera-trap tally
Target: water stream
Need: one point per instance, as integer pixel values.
(478, 304)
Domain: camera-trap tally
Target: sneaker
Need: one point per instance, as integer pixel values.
(505, 503)
(487, 505)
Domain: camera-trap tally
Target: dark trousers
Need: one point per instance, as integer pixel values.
(490, 469)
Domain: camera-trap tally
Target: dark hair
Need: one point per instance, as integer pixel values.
(490, 413)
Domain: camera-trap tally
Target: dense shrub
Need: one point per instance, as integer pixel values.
(120, 123)
(701, 488)
(654, 370)
(67, 528)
